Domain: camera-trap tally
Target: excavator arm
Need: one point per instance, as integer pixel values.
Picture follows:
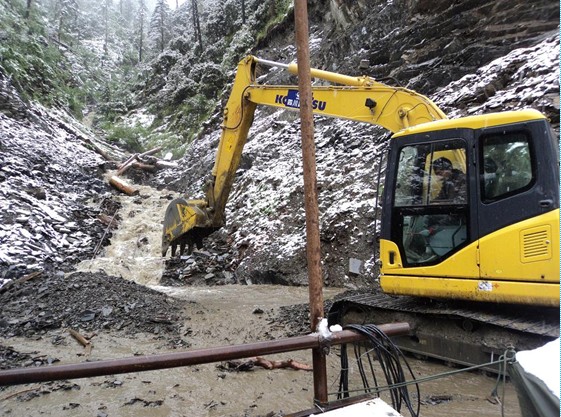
(360, 99)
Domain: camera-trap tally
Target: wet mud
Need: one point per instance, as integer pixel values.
(118, 302)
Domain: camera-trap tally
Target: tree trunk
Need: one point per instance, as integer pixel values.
(142, 10)
(28, 8)
(197, 24)
(121, 185)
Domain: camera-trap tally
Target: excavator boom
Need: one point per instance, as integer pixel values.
(187, 222)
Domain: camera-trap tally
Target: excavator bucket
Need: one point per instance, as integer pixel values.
(186, 223)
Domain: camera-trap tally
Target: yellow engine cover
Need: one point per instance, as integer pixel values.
(517, 264)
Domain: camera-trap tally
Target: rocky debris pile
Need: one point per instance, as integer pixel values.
(51, 189)
(205, 267)
(89, 302)
(265, 227)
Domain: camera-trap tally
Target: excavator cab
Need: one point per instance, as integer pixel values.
(485, 229)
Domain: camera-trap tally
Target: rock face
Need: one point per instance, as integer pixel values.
(427, 44)
(10, 102)
(469, 56)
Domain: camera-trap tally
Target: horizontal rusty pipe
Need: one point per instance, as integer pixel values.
(187, 358)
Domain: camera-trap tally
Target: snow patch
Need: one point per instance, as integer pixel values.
(543, 363)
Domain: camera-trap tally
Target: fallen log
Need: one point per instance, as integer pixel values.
(97, 149)
(249, 363)
(165, 164)
(18, 281)
(122, 186)
(127, 164)
(150, 152)
(143, 167)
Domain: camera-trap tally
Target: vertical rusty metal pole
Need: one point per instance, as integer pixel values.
(310, 190)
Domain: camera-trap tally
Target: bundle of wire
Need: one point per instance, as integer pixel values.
(390, 359)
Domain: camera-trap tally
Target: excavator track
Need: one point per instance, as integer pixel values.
(455, 332)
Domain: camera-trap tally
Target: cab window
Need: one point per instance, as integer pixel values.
(506, 167)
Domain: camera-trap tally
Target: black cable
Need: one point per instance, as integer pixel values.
(344, 376)
(380, 348)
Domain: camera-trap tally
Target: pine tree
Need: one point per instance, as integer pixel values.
(65, 15)
(141, 28)
(197, 25)
(160, 26)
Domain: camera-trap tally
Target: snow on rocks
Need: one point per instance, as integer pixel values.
(526, 77)
(46, 176)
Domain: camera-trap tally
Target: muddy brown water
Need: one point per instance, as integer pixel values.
(216, 316)
(221, 316)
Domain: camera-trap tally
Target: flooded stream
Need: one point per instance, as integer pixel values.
(214, 316)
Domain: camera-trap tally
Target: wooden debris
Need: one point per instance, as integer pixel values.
(145, 161)
(165, 164)
(82, 340)
(122, 186)
(150, 152)
(144, 167)
(249, 363)
(127, 164)
(108, 221)
(15, 394)
(21, 280)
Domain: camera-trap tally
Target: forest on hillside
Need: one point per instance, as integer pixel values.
(103, 60)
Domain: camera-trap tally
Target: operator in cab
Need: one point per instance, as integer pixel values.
(453, 181)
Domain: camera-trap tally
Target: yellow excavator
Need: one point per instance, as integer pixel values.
(470, 209)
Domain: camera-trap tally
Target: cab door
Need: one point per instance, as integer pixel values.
(430, 226)
(519, 201)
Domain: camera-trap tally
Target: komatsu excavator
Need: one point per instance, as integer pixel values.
(470, 208)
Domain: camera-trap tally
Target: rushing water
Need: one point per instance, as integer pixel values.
(215, 316)
(134, 252)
